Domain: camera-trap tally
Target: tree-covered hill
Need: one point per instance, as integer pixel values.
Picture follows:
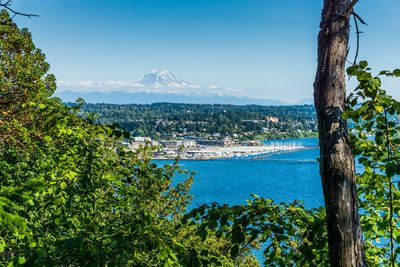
(166, 119)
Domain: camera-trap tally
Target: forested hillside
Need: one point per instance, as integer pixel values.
(161, 120)
(71, 194)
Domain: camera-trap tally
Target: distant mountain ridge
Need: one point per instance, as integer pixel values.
(120, 97)
(306, 101)
(156, 86)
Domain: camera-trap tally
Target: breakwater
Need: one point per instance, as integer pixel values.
(259, 158)
(283, 152)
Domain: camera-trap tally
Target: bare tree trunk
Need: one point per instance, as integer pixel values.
(336, 162)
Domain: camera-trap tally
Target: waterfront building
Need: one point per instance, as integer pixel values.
(178, 143)
(141, 139)
(221, 143)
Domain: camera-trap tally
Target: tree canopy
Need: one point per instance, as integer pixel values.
(71, 194)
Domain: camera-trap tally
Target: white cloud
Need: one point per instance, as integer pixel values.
(232, 90)
(113, 84)
(92, 86)
(227, 91)
(134, 87)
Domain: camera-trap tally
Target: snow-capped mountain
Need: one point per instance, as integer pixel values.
(155, 86)
(155, 81)
(162, 79)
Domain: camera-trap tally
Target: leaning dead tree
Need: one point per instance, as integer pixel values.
(336, 160)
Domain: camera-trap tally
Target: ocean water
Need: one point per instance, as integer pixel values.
(287, 179)
(283, 178)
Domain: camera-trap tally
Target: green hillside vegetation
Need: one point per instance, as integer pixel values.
(163, 120)
(71, 195)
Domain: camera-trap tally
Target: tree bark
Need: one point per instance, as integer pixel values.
(336, 159)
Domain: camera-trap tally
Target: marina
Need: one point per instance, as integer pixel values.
(248, 151)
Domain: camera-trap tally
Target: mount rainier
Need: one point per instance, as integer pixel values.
(155, 86)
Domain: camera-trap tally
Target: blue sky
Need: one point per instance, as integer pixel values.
(267, 48)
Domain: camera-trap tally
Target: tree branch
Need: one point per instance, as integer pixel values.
(357, 18)
(350, 8)
(7, 5)
(358, 38)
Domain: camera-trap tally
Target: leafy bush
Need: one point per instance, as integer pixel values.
(70, 193)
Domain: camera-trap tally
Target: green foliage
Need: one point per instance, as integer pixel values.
(78, 197)
(22, 66)
(23, 78)
(71, 194)
(294, 235)
(161, 120)
(376, 143)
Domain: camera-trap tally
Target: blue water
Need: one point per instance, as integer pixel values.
(232, 181)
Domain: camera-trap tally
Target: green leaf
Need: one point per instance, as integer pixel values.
(203, 234)
(21, 260)
(234, 250)
(390, 170)
(379, 138)
(379, 108)
(214, 216)
(63, 185)
(384, 72)
(363, 64)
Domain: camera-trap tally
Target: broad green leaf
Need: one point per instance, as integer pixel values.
(363, 64)
(63, 185)
(234, 250)
(21, 260)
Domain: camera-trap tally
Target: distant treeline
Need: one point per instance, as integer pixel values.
(161, 120)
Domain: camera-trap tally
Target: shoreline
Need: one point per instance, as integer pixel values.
(225, 154)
